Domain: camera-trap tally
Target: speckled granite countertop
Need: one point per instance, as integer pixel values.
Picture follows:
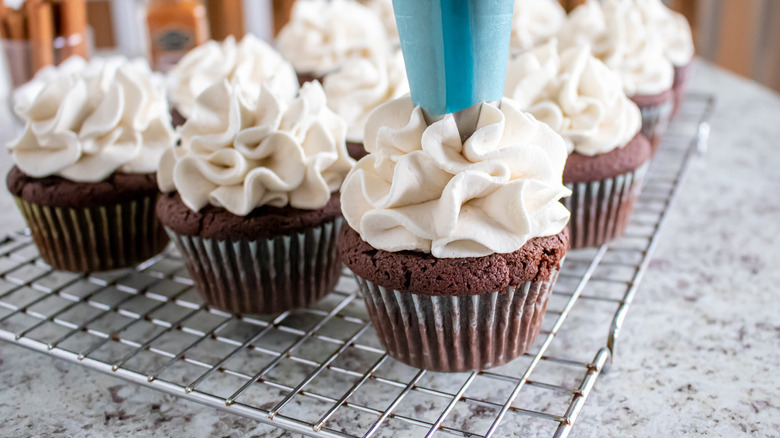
(698, 355)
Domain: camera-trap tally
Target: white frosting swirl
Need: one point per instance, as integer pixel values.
(24, 96)
(422, 189)
(577, 95)
(534, 22)
(672, 27)
(87, 121)
(618, 35)
(241, 155)
(362, 85)
(384, 8)
(249, 63)
(321, 35)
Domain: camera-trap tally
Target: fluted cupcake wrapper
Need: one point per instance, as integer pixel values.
(267, 275)
(600, 210)
(681, 76)
(98, 238)
(457, 333)
(655, 121)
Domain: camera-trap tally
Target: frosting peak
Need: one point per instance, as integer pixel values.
(575, 94)
(321, 35)
(384, 9)
(249, 63)
(422, 189)
(671, 27)
(89, 120)
(362, 85)
(619, 36)
(240, 154)
(534, 22)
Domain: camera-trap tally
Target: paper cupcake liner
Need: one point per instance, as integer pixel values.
(457, 333)
(655, 121)
(600, 210)
(98, 238)
(681, 75)
(267, 275)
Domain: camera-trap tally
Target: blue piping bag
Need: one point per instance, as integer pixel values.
(456, 51)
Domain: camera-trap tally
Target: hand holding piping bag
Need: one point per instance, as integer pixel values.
(456, 55)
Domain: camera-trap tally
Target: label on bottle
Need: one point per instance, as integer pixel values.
(174, 40)
(169, 45)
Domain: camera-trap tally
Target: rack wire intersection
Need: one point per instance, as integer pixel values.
(321, 371)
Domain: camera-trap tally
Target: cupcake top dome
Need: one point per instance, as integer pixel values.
(322, 35)
(575, 94)
(241, 154)
(619, 36)
(248, 63)
(534, 22)
(361, 85)
(87, 120)
(423, 189)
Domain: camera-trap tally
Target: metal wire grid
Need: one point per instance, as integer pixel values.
(321, 371)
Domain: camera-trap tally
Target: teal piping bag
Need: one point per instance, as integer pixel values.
(456, 51)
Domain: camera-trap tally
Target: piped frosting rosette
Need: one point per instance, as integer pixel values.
(322, 34)
(241, 154)
(384, 9)
(248, 63)
(534, 22)
(93, 119)
(575, 94)
(422, 189)
(362, 85)
(619, 36)
(24, 96)
(673, 29)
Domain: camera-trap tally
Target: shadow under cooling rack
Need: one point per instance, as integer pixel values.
(321, 370)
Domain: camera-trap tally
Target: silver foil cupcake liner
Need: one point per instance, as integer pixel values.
(98, 238)
(267, 275)
(655, 121)
(457, 333)
(600, 210)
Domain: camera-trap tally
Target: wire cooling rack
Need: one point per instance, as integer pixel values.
(321, 371)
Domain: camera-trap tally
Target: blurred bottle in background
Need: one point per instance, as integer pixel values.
(175, 27)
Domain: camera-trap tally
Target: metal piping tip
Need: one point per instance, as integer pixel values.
(466, 119)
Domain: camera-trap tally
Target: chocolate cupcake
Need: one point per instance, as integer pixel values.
(456, 244)
(583, 100)
(361, 85)
(251, 198)
(322, 35)
(619, 36)
(85, 165)
(456, 314)
(249, 63)
(677, 40)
